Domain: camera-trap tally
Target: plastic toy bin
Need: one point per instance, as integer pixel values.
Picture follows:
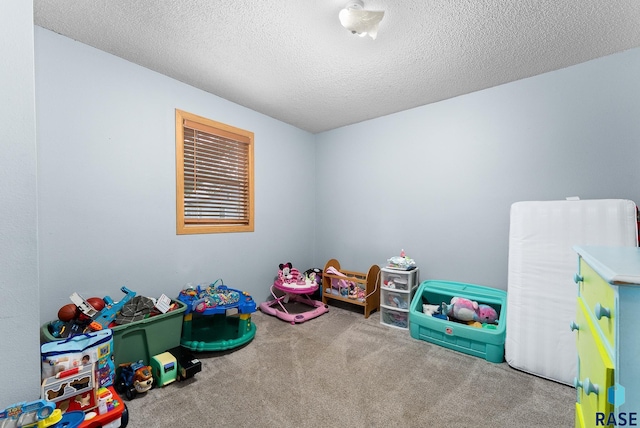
(141, 340)
(486, 342)
(393, 318)
(394, 299)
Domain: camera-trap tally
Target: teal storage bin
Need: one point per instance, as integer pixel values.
(486, 342)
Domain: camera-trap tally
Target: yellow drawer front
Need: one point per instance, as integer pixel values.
(579, 417)
(599, 297)
(595, 368)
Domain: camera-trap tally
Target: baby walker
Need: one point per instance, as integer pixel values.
(296, 288)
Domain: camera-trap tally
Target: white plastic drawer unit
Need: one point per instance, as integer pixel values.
(393, 318)
(396, 290)
(403, 280)
(394, 299)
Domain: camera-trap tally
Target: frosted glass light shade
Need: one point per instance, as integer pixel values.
(359, 21)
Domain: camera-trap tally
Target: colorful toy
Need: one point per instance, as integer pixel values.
(36, 413)
(71, 389)
(217, 317)
(463, 309)
(110, 310)
(72, 370)
(111, 412)
(133, 379)
(315, 274)
(72, 419)
(296, 288)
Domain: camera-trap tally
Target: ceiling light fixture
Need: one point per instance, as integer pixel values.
(359, 21)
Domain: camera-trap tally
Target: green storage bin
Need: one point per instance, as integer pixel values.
(487, 343)
(141, 340)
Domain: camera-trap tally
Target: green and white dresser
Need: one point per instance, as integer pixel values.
(607, 328)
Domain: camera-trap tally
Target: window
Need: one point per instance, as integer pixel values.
(214, 176)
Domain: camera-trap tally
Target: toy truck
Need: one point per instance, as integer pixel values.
(188, 365)
(175, 364)
(133, 379)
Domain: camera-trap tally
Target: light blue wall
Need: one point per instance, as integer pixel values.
(106, 176)
(20, 298)
(439, 180)
(436, 180)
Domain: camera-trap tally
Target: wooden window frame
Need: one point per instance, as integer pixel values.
(231, 138)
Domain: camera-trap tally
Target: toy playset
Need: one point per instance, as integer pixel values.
(73, 369)
(216, 318)
(73, 389)
(294, 287)
(464, 317)
(77, 377)
(38, 413)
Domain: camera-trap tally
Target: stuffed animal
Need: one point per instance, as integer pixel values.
(486, 314)
(461, 309)
(284, 273)
(287, 274)
(428, 309)
(468, 310)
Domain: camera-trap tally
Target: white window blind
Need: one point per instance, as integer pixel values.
(217, 177)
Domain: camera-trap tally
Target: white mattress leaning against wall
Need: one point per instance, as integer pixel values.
(541, 292)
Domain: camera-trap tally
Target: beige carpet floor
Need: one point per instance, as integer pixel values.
(342, 370)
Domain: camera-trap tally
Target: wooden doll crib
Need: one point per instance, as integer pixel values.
(356, 288)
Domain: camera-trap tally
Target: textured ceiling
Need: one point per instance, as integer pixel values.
(291, 59)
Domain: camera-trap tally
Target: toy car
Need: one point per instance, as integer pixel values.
(133, 379)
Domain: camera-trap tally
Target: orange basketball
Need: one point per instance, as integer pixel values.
(68, 312)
